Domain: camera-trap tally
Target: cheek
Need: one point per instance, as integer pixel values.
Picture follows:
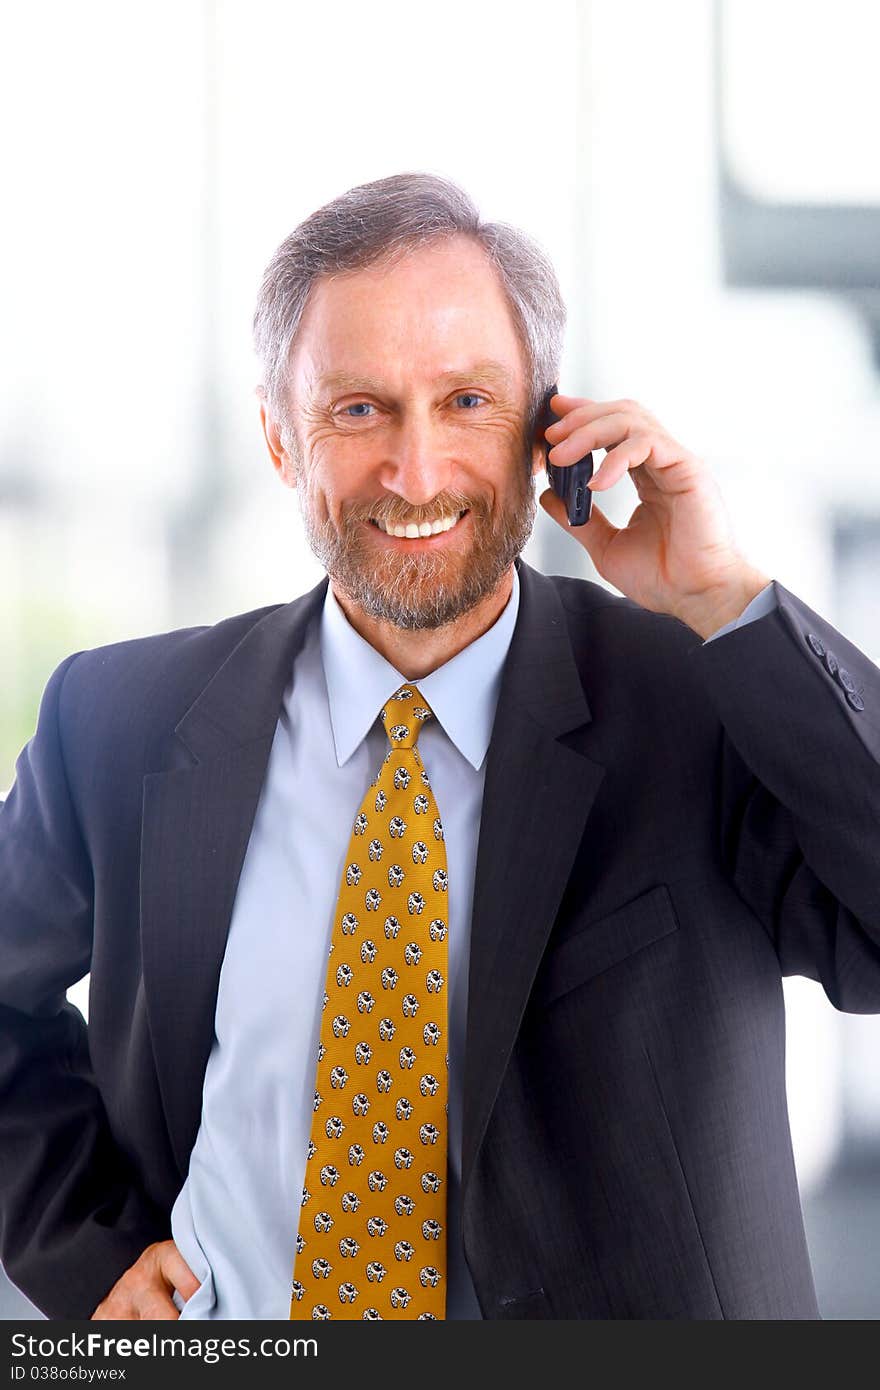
(322, 477)
(504, 458)
(504, 441)
(313, 493)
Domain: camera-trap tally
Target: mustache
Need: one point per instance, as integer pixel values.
(393, 513)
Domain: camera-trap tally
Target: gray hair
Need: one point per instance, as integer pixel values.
(383, 220)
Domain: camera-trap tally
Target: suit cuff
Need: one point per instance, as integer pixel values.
(762, 603)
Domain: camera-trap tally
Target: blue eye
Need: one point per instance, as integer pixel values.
(469, 396)
(359, 406)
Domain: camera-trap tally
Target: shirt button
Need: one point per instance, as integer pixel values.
(816, 643)
(845, 679)
(855, 699)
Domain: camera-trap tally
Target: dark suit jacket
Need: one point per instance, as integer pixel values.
(667, 829)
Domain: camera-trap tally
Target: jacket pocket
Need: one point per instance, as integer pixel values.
(605, 942)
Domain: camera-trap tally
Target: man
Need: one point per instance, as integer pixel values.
(650, 808)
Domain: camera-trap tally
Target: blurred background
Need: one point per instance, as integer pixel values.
(705, 178)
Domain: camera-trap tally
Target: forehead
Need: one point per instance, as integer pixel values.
(435, 311)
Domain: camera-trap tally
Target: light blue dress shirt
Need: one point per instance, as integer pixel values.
(236, 1217)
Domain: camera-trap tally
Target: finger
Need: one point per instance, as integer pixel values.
(603, 433)
(631, 454)
(156, 1306)
(595, 536)
(118, 1306)
(176, 1271)
(137, 1305)
(554, 506)
(576, 410)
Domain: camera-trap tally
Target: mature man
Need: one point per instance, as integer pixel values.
(435, 919)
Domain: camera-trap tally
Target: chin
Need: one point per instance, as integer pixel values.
(421, 602)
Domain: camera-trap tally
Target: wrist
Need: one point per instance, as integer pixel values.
(723, 604)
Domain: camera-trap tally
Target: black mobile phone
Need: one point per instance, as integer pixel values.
(568, 481)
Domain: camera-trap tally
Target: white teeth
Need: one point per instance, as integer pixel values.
(427, 528)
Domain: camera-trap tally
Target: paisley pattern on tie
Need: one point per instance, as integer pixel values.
(371, 1241)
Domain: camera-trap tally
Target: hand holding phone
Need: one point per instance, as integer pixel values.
(568, 481)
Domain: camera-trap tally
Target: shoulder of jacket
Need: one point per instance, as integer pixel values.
(163, 660)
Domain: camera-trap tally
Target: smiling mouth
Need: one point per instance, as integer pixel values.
(427, 528)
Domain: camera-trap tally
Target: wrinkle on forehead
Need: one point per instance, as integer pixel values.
(418, 319)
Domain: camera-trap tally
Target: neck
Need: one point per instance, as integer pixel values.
(416, 653)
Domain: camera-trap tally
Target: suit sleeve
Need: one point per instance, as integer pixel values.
(71, 1218)
(799, 804)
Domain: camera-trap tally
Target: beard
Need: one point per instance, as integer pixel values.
(426, 589)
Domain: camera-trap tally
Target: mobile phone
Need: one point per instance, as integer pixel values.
(568, 481)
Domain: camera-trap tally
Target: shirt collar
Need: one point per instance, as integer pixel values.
(463, 692)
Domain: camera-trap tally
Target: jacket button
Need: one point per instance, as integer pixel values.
(831, 662)
(845, 678)
(816, 643)
(855, 699)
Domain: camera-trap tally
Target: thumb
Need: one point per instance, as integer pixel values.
(595, 536)
(175, 1270)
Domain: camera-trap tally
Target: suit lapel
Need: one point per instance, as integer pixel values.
(196, 822)
(536, 799)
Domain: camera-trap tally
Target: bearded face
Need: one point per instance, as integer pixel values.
(428, 581)
(406, 410)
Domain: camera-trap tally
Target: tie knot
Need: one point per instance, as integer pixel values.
(403, 716)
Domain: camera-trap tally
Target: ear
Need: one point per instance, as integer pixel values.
(539, 456)
(539, 443)
(281, 460)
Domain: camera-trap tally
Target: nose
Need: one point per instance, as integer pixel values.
(418, 465)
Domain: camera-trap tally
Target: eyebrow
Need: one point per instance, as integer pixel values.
(353, 381)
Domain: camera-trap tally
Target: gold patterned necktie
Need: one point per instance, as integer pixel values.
(371, 1242)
